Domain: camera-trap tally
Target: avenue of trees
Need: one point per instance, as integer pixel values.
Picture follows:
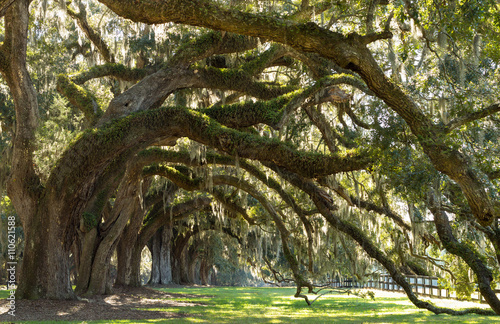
(290, 141)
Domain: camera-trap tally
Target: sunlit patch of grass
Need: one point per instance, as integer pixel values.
(277, 305)
(4, 293)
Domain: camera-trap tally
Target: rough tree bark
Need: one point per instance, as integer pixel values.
(161, 268)
(461, 249)
(45, 270)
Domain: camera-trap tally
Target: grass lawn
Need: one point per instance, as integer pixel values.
(277, 305)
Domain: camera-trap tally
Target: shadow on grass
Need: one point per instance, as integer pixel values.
(263, 305)
(277, 305)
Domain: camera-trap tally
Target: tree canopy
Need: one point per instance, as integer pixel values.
(284, 141)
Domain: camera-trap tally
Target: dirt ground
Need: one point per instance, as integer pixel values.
(122, 305)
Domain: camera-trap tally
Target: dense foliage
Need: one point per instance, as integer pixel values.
(241, 142)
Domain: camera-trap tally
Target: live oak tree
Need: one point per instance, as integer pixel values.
(352, 110)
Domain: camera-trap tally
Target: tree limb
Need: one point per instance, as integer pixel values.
(85, 101)
(369, 247)
(452, 245)
(4, 6)
(94, 37)
(459, 121)
(348, 52)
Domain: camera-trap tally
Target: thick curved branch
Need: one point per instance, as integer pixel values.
(115, 70)
(254, 147)
(180, 122)
(373, 37)
(175, 212)
(239, 80)
(85, 101)
(452, 245)
(373, 251)
(211, 43)
(202, 47)
(265, 59)
(151, 91)
(348, 52)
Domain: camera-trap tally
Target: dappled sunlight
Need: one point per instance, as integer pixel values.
(270, 305)
(211, 147)
(278, 305)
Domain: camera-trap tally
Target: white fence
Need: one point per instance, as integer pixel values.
(421, 285)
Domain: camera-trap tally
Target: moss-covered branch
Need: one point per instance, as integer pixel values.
(457, 122)
(211, 43)
(466, 252)
(366, 243)
(348, 52)
(239, 80)
(310, 164)
(257, 64)
(115, 70)
(275, 112)
(85, 101)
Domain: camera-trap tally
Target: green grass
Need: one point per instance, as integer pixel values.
(277, 305)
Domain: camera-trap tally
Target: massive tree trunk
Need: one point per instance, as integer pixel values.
(45, 271)
(180, 261)
(193, 264)
(204, 270)
(135, 267)
(161, 268)
(165, 255)
(45, 268)
(154, 246)
(125, 251)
